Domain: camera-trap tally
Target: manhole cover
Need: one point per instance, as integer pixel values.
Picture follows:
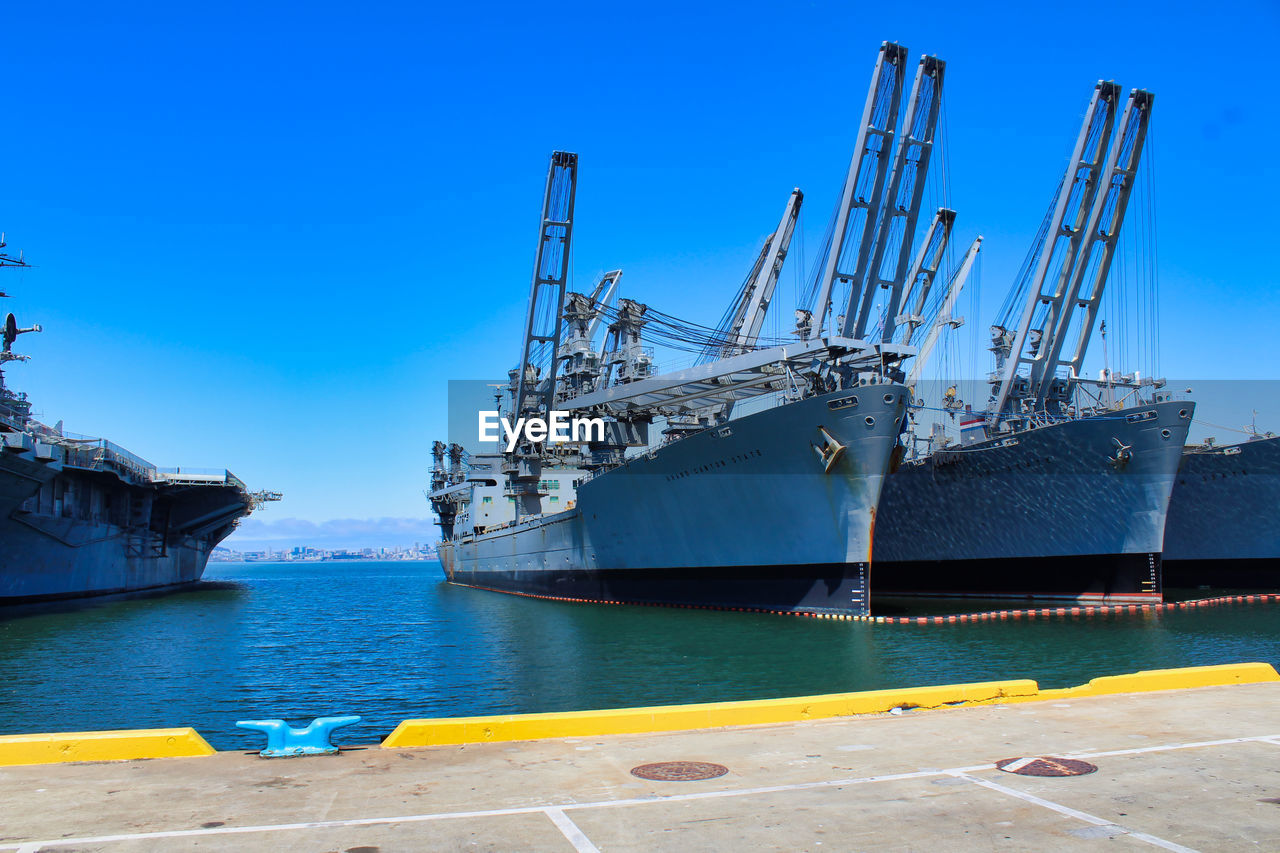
(679, 771)
(1045, 766)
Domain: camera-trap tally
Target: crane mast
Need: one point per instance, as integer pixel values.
(1105, 219)
(864, 184)
(1065, 234)
(901, 205)
(532, 393)
(581, 367)
(601, 298)
(923, 271)
(946, 318)
(753, 304)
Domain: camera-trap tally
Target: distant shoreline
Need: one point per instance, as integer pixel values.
(346, 558)
(308, 554)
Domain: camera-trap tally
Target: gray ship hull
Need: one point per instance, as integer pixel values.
(745, 516)
(79, 561)
(1047, 513)
(1224, 528)
(72, 533)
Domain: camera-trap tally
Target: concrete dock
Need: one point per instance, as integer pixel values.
(1191, 769)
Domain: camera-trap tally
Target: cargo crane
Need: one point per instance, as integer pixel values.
(449, 491)
(583, 314)
(1071, 266)
(874, 219)
(857, 213)
(945, 319)
(1089, 278)
(742, 324)
(875, 224)
(533, 394)
(739, 330)
(902, 200)
(922, 273)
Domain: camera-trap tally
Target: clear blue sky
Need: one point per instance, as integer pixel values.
(268, 234)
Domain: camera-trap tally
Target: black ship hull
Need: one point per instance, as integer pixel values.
(801, 589)
(1071, 511)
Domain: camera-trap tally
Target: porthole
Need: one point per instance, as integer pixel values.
(871, 421)
(1166, 433)
(888, 398)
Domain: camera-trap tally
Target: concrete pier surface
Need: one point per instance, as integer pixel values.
(1191, 769)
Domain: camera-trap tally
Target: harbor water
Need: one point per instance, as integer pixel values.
(391, 640)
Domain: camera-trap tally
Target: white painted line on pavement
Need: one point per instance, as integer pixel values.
(33, 847)
(1075, 813)
(1167, 747)
(571, 831)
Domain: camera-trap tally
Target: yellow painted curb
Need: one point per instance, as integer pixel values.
(101, 746)
(458, 730)
(1169, 679)
(516, 727)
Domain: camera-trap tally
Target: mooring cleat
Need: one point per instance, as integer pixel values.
(284, 740)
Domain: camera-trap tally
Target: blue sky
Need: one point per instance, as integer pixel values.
(267, 234)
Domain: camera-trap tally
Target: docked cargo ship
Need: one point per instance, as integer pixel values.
(1059, 489)
(1223, 529)
(710, 519)
(760, 492)
(81, 516)
(1072, 511)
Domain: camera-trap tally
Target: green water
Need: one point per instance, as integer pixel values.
(391, 641)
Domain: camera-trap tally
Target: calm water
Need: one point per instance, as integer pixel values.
(390, 641)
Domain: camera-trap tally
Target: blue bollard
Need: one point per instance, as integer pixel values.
(284, 740)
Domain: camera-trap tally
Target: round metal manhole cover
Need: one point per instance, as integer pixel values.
(1046, 766)
(679, 771)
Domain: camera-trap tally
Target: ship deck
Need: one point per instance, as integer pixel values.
(1186, 769)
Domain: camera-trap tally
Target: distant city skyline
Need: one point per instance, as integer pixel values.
(262, 531)
(306, 554)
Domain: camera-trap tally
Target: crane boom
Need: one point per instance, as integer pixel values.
(945, 317)
(901, 206)
(1105, 220)
(532, 393)
(1065, 234)
(535, 393)
(759, 291)
(923, 270)
(864, 182)
(609, 286)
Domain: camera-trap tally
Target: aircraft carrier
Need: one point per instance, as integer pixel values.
(82, 516)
